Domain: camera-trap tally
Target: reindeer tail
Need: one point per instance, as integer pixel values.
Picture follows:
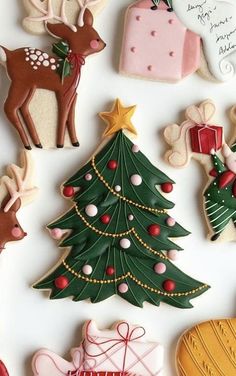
(4, 52)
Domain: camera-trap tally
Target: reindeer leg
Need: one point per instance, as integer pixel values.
(71, 122)
(15, 99)
(28, 119)
(63, 112)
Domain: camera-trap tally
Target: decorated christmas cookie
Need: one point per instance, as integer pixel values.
(118, 231)
(3, 370)
(200, 138)
(121, 351)
(56, 77)
(208, 349)
(214, 21)
(16, 190)
(40, 11)
(156, 45)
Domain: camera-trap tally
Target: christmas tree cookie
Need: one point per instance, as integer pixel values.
(156, 45)
(118, 231)
(208, 349)
(200, 138)
(120, 351)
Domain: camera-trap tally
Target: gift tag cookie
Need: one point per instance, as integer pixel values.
(120, 351)
(118, 235)
(16, 190)
(214, 21)
(208, 349)
(40, 11)
(201, 138)
(156, 45)
(3, 370)
(34, 74)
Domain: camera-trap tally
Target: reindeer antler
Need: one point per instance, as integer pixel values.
(18, 183)
(48, 14)
(84, 4)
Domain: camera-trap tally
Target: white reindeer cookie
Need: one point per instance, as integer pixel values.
(39, 10)
(16, 190)
(214, 21)
(200, 138)
(42, 97)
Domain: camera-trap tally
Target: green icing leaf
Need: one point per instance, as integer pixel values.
(61, 49)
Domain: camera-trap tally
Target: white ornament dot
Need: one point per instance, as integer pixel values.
(87, 269)
(88, 177)
(117, 188)
(130, 217)
(136, 180)
(125, 243)
(135, 149)
(53, 67)
(46, 63)
(91, 210)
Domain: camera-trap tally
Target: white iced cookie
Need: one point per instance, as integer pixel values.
(214, 21)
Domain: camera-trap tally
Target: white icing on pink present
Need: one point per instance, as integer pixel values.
(121, 350)
(156, 45)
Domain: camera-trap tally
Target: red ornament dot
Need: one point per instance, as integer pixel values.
(68, 191)
(105, 219)
(112, 164)
(61, 282)
(169, 285)
(167, 187)
(110, 270)
(154, 230)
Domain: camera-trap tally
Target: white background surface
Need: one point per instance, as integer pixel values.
(28, 320)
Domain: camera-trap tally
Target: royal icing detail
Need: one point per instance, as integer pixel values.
(208, 349)
(119, 239)
(197, 138)
(123, 350)
(16, 190)
(214, 21)
(3, 370)
(156, 45)
(37, 58)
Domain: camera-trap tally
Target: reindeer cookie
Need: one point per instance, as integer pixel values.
(40, 10)
(200, 138)
(208, 349)
(31, 70)
(121, 351)
(16, 190)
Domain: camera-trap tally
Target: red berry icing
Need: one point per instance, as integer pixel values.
(154, 230)
(61, 282)
(68, 191)
(110, 270)
(167, 187)
(105, 219)
(112, 164)
(169, 285)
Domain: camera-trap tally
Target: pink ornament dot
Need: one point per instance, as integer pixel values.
(87, 269)
(91, 210)
(149, 68)
(136, 180)
(56, 233)
(170, 222)
(172, 54)
(173, 255)
(154, 33)
(135, 149)
(17, 232)
(123, 288)
(133, 49)
(88, 177)
(160, 268)
(125, 243)
(138, 18)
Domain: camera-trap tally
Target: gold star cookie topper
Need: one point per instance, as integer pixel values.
(119, 118)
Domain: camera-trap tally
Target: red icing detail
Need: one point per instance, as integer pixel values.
(191, 53)
(68, 191)
(213, 173)
(112, 164)
(154, 230)
(205, 137)
(167, 187)
(99, 373)
(110, 270)
(226, 178)
(61, 283)
(105, 219)
(169, 285)
(3, 370)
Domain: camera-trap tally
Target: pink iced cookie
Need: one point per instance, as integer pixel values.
(156, 45)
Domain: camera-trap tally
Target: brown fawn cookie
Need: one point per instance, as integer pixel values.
(31, 70)
(16, 190)
(39, 11)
